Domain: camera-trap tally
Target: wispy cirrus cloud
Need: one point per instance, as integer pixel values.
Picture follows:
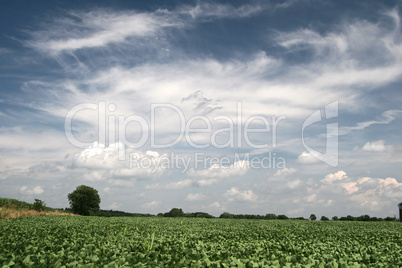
(101, 28)
(96, 29)
(386, 118)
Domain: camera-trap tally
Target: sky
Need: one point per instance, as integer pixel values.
(248, 107)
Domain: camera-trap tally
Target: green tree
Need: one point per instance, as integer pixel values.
(175, 212)
(323, 218)
(84, 200)
(282, 217)
(39, 205)
(335, 218)
(271, 216)
(226, 215)
(313, 217)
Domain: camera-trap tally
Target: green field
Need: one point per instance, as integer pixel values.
(55, 241)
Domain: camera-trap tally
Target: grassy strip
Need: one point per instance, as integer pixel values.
(10, 212)
(12, 208)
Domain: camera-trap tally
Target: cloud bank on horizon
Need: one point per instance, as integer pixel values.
(203, 106)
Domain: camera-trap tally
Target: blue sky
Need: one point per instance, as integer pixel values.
(148, 103)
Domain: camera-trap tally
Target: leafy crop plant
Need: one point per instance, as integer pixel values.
(62, 241)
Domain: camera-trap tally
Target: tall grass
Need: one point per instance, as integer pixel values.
(12, 208)
(9, 212)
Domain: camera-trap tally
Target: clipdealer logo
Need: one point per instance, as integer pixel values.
(112, 129)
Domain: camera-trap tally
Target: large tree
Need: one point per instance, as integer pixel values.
(84, 199)
(175, 212)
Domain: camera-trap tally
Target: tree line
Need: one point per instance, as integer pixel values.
(85, 200)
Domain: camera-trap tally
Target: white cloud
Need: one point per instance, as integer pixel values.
(96, 29)
(153, 186)
(195, 197)
(151, 205)
(375, 146)
(101, 28)
(376, 192)
(98, 157)
(285, 172)
(365, 190)
(217, 205)
(311, 198)
(244, 195)
(387, 117)
(171, 185)
(338, 176)
(307, 158)
(37, 190)
(119, 182)
(179, 184)
(94, 176)
(115, 206)
(206, 182)
(238, 168)
(152, 153)
(294, 184)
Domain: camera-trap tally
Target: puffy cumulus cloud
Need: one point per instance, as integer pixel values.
(340, 175)
(293, 184)
(151, 205)
(375, 146)
(285, 172)
(136, 165)
(99, 157)
(37, 190)
(195, 197)
(306, 158)
(242, 195)
(341, 179)
(373, 193)
(238, 168)
(216, 205)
